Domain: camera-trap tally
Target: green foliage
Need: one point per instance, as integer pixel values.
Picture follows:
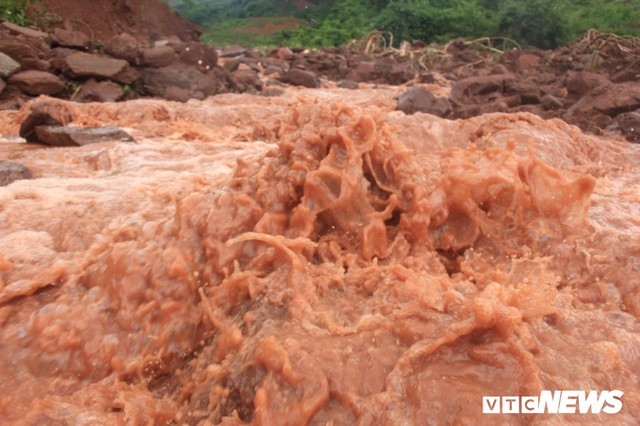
(14, 11)
(539, 23)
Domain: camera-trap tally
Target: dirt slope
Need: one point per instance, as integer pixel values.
(143, 19)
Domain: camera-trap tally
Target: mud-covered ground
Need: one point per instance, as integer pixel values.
(315, 258)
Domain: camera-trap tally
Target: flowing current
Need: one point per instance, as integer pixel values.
(315, 258)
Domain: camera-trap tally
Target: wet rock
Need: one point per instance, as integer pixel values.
(246, 79)
(25, 54)
(419, 99)
(80, 136)
(36, 83)
(348, 84)
(103, 91)
(82, 64)
(156, 81)
(610, 100)
(124, 46)
(198, 54)
(629, 124)
(7, 65)
(298, 77)
(71, 38)
(481, 85)
(37, 117)
(581, 83)
(10, 171)
(550, 102)
(27, 32)
(158, 57)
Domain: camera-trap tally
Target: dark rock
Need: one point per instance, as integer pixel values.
(550, 102)
(37, 82)
(124, 46)
(450, 76)
(103, 91)
(156, 81)
(610, 99)
(37, 118)
(11, 171)
(178, 94)
(80, 136)
(299, 77)
(25, 54)
(426, 77)
(399, 74)
(82, 64)
(158, 57)
(58, 56)
(198, 54)
(581, 83)
(348, 84)
(629, 124)
(27, 32)
(7, 65)
(71, 38)
(482, 85)
(419, 99)
(246, 79)
(2, 85)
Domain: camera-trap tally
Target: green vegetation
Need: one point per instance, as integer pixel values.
(14, 11)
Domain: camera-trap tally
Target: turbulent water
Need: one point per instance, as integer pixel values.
(315, 258)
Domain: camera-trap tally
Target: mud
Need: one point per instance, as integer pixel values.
(315, 258)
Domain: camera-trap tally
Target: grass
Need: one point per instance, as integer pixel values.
(248, 32)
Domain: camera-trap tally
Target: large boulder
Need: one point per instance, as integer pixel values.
(80, 136)
(124, 46)
(197, 54)
(82, 64)
(7, 65)
(158, 57)
(580, 83)
(71, 38)
(27, 55)
(480, 86)
(298, 77)
(419, 99)
(99, 91)
(10, 171)
(35, 83)
(177, 82)
(27, 32)
(610, 99)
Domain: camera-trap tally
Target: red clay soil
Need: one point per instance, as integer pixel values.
(143, 19)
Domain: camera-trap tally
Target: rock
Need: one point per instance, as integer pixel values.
(581, 83)
(426, 77)
(399, 74)
(271, 92)
(529, 92)
(158, 57)
(246, 79)
(527, 61)
(198, 54)
(80, 136)
(365, 71)
(103, 91)
(178, 94)
(550, 102)
(7, 65)
(274, 70)
(233, 51)
(10, 171)
(2, 85)
(156, 81)
(82, 64)
(629, 124)
(610, 99)
(71, 38)
(285, 54)
(124, 46)
(298, 77)
(27, 32)
(37, 117)
(419, 99)
(348, 84)
(37, 82)
(482, 85)
(26, 55)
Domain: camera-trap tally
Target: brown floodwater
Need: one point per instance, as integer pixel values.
(315, 258)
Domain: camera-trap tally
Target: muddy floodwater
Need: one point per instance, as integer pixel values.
(315, 258)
